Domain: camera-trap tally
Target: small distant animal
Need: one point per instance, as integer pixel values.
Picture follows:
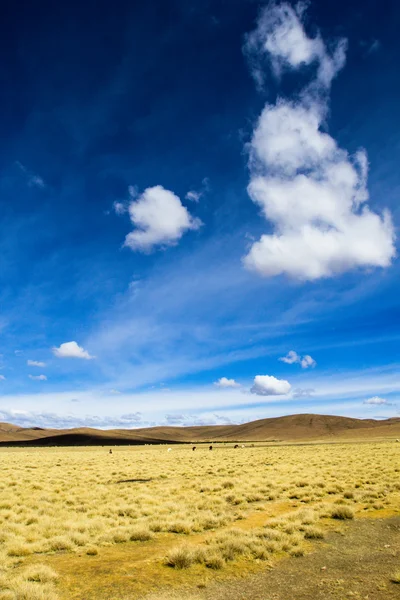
(243, 446)
(110, 451)
(397, 440)
(169, 449)
(210, 448)
(236, 446)
(194, 448)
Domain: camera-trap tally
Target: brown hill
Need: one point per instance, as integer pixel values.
(292, 428)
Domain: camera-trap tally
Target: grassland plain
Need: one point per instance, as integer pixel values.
(80, 523)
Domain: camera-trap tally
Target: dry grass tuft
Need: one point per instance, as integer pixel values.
(40, 573)
(342, 512)
(395, 578)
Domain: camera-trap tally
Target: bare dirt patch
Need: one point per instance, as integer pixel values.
(354, 563)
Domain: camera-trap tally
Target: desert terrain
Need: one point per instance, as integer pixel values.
(303, 427)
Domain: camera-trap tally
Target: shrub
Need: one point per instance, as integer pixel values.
(92, 551)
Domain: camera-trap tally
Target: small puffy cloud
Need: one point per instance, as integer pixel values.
(38, 377)
(160, 219)
(119, 208)
(71, 350)
(2, 378)
(310, 190)
(307, 361)
(224, 382)
(193, 196)
(267, 385)
(292, 358)
(35, 363)
(377, 401)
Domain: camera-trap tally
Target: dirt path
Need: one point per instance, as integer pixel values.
(355, 564)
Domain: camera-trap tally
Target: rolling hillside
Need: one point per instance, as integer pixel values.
(292, 428)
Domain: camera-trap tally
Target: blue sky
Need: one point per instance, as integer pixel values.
(190, 193)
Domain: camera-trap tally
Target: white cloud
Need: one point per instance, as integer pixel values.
(38, 377)
(307, 361)
(119, 208)
(71, 350)
(2, 378)
(193, 196)
(312, 192)
(160, 219)
(267, 385)
(223, 382)
(376, 401)
(293, 358)
(35, 363)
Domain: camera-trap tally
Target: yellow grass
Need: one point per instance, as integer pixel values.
(213, 508)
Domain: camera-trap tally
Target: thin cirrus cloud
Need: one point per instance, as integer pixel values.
(38, 377)
(224, 382)
(35, 363)
(2, 378)
(292, 358)
(160, 219)
(71, 350)
(313, 192)
(268, 385)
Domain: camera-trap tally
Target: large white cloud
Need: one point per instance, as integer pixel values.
(224, 382)
(311, 191)
(267, 385)
(71, 350)
(160, 219)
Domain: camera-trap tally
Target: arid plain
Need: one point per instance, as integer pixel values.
(84, 523)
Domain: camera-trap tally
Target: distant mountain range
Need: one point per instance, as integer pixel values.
(292, 428)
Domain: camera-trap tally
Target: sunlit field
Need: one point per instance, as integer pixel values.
(196, 511)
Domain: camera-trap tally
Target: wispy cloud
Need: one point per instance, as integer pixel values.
(32, 179)
(38, 377)
(312, 192)
(35, 363)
